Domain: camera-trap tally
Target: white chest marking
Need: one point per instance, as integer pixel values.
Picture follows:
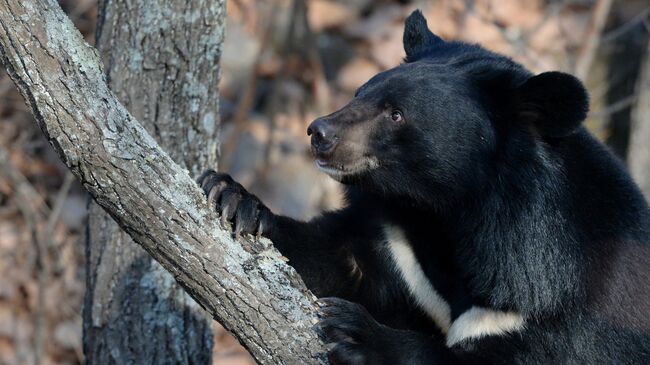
(478, 322)
(474, 323)
(418, 284)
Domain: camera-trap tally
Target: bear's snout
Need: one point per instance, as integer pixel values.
(323, 137)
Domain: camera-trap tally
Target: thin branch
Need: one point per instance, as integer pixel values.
(615, 107)
(639, 149)
(612, 35)
(59, 201)
(24, 199)
(271, 107)
(248, 94)
(14, 176)
(587, 52)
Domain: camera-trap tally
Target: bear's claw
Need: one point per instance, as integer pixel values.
(351, 328)
(235, 204)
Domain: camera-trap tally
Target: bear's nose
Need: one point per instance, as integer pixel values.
(323, 138)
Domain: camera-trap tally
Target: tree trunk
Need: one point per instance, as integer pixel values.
(245, 285)
(162, 62)
(639, 148)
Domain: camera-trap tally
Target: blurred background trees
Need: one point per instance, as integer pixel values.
(284, 63)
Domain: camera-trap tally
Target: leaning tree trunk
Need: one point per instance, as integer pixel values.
(245, 285)
(161, 59)
(639, 148)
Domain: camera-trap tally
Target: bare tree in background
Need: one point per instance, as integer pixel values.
(161, 59)
(639, 148)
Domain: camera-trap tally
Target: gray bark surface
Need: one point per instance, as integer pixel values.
(162, 62)
(244, 285)
(639, 148)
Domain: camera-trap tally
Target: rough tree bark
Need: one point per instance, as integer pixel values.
(639, 148)
(245, 285)
(162, 62)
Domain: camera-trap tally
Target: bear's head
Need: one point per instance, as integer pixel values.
(438, 124)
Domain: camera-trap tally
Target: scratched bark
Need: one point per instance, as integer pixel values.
(245, 285)
(161, 59)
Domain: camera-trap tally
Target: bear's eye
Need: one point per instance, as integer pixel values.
(396, 116)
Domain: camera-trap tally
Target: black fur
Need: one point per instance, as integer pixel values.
(556, 103)
(507, 202)
(417, 37)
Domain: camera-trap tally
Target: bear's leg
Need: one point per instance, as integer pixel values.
(320, 250)
(358, 338)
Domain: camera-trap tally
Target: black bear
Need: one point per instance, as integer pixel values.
(483, 223)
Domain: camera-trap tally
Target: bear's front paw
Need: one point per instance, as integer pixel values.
(236, 205)
(352, 330)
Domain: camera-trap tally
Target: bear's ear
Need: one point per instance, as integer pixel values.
(417, 36)
(555, 103)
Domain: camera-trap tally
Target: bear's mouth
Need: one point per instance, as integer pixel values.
(329, 168)
(339, 170)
